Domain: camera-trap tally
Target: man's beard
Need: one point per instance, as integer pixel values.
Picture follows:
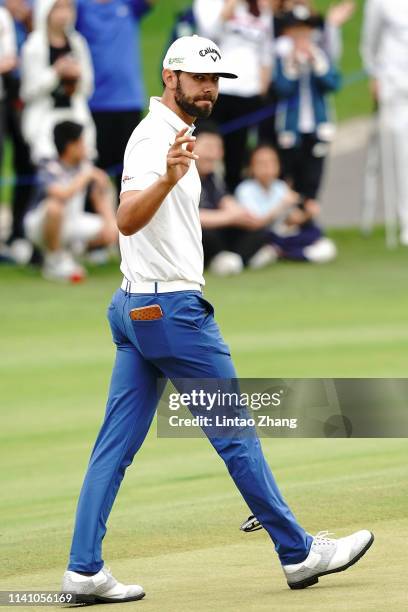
(188, 104)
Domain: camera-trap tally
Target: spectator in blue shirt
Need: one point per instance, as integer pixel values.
(111, 28)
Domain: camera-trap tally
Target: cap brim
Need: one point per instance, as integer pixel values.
(227, 75)
(221, 73)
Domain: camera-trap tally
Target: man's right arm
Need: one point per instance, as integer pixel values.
(137, 208)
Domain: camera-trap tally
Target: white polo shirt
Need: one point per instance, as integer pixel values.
(170, 246)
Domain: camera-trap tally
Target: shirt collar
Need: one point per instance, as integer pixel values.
(166, 114)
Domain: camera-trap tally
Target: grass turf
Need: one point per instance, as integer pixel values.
(174, 527)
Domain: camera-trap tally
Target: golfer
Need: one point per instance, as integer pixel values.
(163, 327)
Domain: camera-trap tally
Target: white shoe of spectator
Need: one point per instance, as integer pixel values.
(226, 263)
(98, 257)
(21, 251)
(61, 266)
(264, 257)
(321, 251)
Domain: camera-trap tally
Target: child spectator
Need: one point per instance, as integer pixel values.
(56, 221)
(243, 31)
(111, 29)
(303, 78)
(231, 236)
(57, 78)
(328, 34)
(291, 229)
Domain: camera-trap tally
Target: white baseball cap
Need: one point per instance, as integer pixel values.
(198, 55)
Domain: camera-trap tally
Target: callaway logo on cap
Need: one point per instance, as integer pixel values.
(198, 55)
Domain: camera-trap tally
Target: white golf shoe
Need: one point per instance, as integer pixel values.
(100, 588)
(328, 556)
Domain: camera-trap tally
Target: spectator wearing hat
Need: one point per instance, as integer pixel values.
(111, 28)
(327, 35)
(303, 79)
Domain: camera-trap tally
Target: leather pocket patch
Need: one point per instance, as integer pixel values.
(146, 313)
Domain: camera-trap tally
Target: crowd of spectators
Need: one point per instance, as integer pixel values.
(71, 93)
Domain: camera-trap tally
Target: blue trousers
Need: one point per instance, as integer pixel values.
(185, 343)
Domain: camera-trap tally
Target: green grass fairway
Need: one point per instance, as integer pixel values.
(174, 527)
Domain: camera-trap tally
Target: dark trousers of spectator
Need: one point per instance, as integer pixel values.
(2, 130)
(23, 168)
(267, 126)
(230, 109)
(244, 243)
(292, 247)
(303, 166)
(113, 130)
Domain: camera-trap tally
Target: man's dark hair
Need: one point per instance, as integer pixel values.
(65, 133)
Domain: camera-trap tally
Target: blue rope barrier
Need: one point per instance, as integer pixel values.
(226, 128)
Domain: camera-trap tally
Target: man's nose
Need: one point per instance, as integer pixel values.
(210, 87)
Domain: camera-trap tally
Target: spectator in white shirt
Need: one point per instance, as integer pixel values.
(385, 54)
(243, 31)
(56, 79)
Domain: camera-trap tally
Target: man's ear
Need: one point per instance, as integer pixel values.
(169, 78)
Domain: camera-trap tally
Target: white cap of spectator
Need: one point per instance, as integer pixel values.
(198, 55)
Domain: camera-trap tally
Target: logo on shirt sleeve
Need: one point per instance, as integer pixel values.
(126, 179)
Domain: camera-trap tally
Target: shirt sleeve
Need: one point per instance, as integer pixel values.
(145, 162)
(47, 175)
(245, 196)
